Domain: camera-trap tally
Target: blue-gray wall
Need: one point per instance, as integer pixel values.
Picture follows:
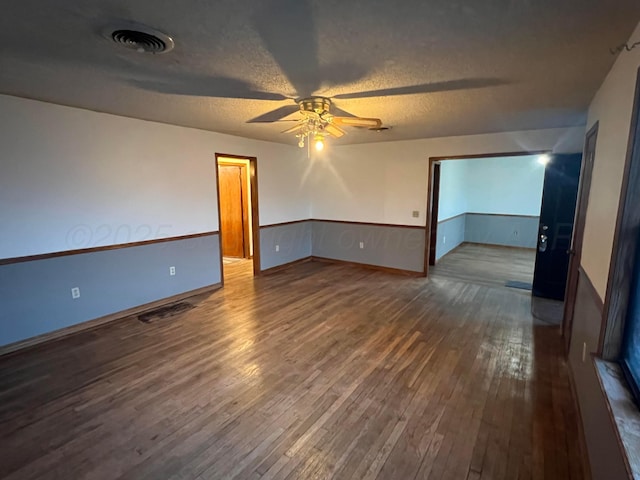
(384, 245)
(450, 234)
(293, 240)
(491, 229)
(600, 433)
(36, 295)
(509, 230)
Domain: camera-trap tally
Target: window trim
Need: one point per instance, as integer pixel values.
(622, 410)
(631, 381)
(623, 255)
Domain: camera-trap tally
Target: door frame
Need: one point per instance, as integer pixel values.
(430, 189)
(577, 237)
(435, 205)
(253, 201)
(246, 203)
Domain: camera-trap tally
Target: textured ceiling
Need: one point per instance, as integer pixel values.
(445, 67)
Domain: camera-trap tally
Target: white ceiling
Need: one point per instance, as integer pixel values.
(479, 67)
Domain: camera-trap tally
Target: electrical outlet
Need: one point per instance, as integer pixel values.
(172, 271)
(444, 239)
(361, 245)
(584, 351)
(277, 248)
(75, 292)
(415, 214)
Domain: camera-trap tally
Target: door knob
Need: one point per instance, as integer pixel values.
(542, 244)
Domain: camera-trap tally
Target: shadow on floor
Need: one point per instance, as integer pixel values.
(547, 311)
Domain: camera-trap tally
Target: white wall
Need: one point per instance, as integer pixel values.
(72, 178)
(347, 184)
(506, 185)
(385, 182)
(453, 189)
(612, 108)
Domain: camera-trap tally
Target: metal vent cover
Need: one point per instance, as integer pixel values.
(139, 38)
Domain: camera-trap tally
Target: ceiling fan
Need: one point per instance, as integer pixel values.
(317, 122)
(281, 24)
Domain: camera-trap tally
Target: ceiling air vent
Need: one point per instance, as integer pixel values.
(140, 38)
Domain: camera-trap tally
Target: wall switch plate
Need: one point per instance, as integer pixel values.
(361, 244)
(415, 214)
(75, 292)
(584, 351)
(172, 271)
(277, 248)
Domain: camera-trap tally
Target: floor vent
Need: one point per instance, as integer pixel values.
(164, 312)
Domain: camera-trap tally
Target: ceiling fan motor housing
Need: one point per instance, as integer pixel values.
(319, 105)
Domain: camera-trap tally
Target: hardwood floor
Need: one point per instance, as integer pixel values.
(319, 371)
(487, 264)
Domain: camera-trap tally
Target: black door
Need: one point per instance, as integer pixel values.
(557, 213)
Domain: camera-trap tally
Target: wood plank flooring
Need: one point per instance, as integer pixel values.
(319, 371)
(490, 265)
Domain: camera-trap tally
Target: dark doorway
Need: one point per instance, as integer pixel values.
(237, 183)
(578, 232)
(557, 213)
(435, 202)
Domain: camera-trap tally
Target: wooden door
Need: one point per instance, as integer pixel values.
(232, 218)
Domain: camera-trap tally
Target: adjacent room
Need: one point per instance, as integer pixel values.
(293, 239)
(488, 208)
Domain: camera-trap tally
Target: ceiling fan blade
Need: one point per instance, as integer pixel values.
(294, 129)
(463, 84)
(357, 122)
(203, 86)
(338, 112)
(288, 31)
(276, 115)
(334, 130)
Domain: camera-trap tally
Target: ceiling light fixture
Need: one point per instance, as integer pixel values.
(311, 130)
(317, 123)
(544, 159)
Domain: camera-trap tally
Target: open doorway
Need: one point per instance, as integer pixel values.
(504, 220)
(237, 187)
(492, 199)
